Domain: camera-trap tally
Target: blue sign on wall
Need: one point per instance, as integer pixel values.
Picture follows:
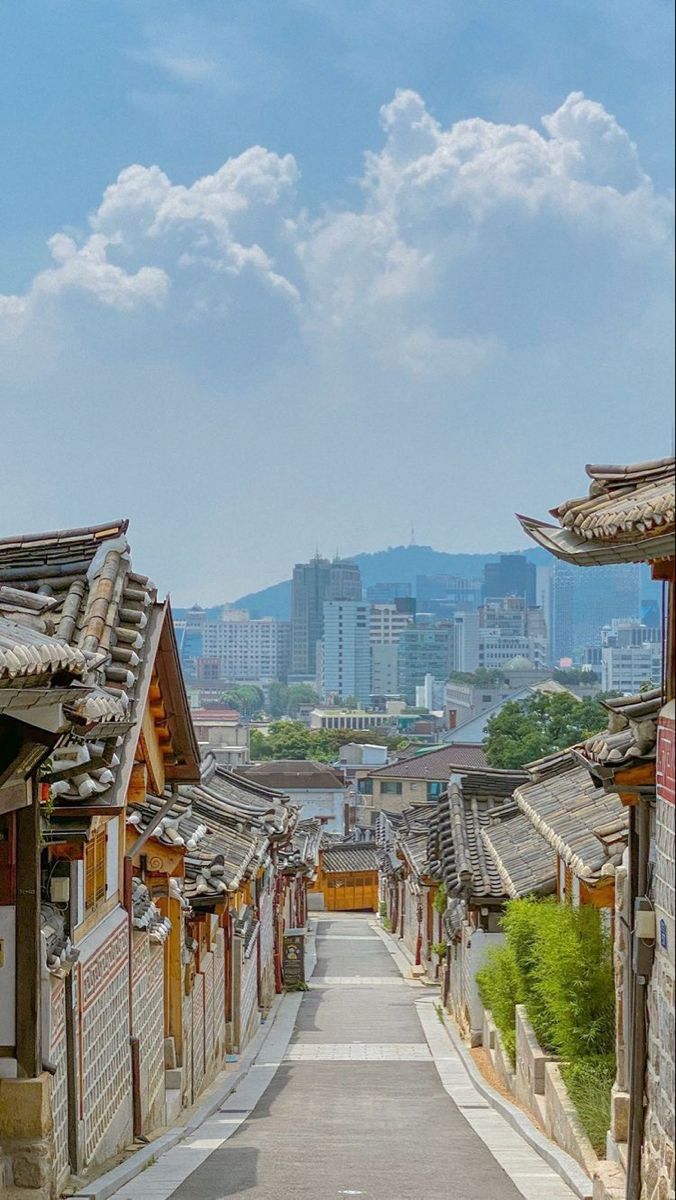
(663, 933)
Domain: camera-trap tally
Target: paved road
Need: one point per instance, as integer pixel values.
(357, 1107)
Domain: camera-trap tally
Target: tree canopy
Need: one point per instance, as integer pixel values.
(525, 730)
(482, 677)
(286, 700)
(291, 739)
(247, 698)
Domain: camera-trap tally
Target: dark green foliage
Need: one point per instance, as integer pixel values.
(285, 701)
(589, 1083)
(525, 730)
(247, 698)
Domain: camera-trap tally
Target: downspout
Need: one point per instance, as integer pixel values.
(127, 877)
(418, 940)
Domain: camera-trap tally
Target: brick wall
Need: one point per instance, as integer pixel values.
(658, 1156)
(59, 1087)
(104, 1059)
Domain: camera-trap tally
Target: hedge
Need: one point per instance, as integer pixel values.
(557, 961)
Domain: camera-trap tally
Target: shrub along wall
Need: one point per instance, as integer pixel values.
(557, 961)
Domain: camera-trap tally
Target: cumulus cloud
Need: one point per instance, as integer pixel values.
(421, 277)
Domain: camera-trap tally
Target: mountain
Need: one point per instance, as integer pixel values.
(397, 563)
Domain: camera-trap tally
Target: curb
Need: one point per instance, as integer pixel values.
(565, 1166)
(107, 1184)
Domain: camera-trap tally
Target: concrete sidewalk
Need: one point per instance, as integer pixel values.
(355, 1100)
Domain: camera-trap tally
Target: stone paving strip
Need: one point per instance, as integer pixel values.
(359, 1052)
(360, 981)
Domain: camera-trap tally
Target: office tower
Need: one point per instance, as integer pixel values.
(512, 575)
(387, 593)
(314, 583)
(444, 595)
(346, 650)
(424, 651)
(563, 595)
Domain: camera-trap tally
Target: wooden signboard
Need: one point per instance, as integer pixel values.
(293, 967)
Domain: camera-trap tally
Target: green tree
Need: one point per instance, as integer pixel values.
(278, 700)
(541, 724)
(300, 693)
(291, 739)
(247, 698)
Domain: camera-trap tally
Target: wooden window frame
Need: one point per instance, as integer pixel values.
(95, 860)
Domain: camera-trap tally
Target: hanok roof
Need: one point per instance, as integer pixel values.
(84, 614)
(293, 774)
(631, 736)
(628, 516)
(412, 837)
(433, 765)
(226, 829)
(586, 826)
(458, 855)
(350, 856)
(302, 853)
(525, 861)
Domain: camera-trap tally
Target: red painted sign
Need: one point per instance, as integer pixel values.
(666, 760)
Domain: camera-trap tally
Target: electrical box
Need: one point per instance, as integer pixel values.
(644, 937)
(59, 889)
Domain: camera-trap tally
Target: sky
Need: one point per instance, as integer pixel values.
(280, 276)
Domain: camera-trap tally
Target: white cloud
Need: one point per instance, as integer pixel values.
(424, 277)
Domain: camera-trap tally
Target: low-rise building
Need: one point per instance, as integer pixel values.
(357, 719)
(220, 732)
(414, 780)
(318, 790)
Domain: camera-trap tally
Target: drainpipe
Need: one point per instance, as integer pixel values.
(127, 877)
(418, 940)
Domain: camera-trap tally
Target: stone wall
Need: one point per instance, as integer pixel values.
(658, 1156)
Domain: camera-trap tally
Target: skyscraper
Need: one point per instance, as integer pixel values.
(346, 649)
(313, 583)
(512, 575)
(563, 591)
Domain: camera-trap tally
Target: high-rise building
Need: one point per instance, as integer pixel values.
(512, 575)
(631, 656)
(424, 651)
(465, 642)
(445, 594)
(387, 593)
(564, 578)
(346, 650)
(387, 622)
(240, 649)
(314, 583)
(602, 595)
(510, 629)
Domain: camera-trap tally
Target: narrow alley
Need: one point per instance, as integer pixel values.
(355, 1103)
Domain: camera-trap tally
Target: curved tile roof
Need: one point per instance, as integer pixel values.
(628, 516)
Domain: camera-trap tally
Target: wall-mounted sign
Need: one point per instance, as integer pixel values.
(663, 934)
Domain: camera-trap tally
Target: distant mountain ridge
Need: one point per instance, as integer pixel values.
(398, 564)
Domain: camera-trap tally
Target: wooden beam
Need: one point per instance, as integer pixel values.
(28, 957)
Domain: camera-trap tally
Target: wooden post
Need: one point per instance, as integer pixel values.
(28, 956)
(174, 975)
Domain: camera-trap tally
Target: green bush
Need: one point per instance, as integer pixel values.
(500, 990)
(557, 961)
(589, 1083)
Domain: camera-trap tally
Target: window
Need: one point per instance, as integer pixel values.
(388, 787)
(434, 789)
(366, 787)
(95, 871)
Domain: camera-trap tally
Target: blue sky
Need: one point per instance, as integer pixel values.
(280, 275)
